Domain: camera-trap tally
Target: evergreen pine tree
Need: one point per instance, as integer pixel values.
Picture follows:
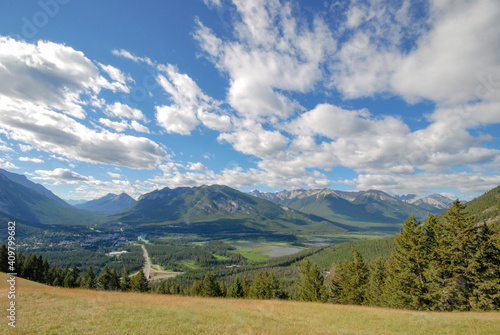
(139, 282)
(178, 290)
(357, 273)
(114, 280)
(333, 283)
(485, 270)
(104, 279)
(311, 283)
(125, 281)
(78, 282)
(47, 274)
(266, 286)
(376, 282)
(223, 290)
(29, 267)
(57, 274)
(451, 272)
(429, 235)
(196, 288)
(236, 290)
(38, 270)
(20, 258)
(89, 279)
(246, 286)
(406, 285)
(164, 287)
(71, 276)
(258, 288)
(348, 281)
(211, 287)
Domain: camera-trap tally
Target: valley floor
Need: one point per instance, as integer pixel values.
(49, 310)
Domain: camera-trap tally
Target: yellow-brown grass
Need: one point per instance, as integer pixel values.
(48, 310)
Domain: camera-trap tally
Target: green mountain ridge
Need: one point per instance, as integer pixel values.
(220, 208)
(22, 203)
(23, 181)
(486, 208)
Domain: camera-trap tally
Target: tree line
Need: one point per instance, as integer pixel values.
(171, 255)
(83, 257)
(38, 269)
(439, 265)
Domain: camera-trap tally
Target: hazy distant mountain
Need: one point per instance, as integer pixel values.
(216, 208)
(434, 203)
(109, 204)
(372, 209)
(22, 180)
(73, 202)
(36, 204)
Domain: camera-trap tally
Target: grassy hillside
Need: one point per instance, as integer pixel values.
(48, 310)
(486, 208)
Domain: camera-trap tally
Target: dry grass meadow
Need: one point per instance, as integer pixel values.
(49, 310)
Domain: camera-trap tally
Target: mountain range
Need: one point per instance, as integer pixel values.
(218, 208)
(372, 209)
(434, 203)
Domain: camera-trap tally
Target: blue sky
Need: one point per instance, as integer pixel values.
(130, 96)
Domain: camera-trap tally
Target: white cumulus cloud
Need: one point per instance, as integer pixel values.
(53, 132)
(49, 74)
(30, 159)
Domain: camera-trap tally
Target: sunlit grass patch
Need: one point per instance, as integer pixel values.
(253, 254)
(190, 264)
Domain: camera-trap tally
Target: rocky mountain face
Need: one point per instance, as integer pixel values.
(301, 194)
(358, 208)
(434, 203)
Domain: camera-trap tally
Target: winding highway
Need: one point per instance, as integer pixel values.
(147, 263)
